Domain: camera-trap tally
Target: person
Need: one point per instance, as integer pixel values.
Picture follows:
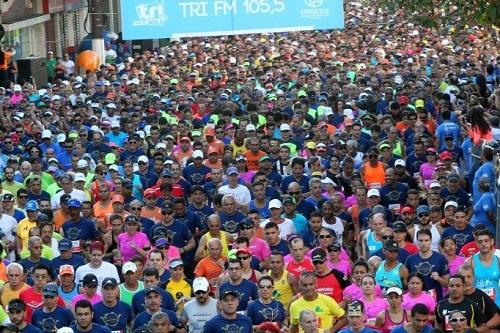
(458, 322)
(66, 256)
(457, 301)
(89, 290)
(395, 315)
(486, 305)
(239, 192)
(356, 319)
(229, 319)
(96, 266)
(416, 294)
(160, 322)
(285, 284)
(68, 289)
(418, 323)
(449, 246)
(437, 276)
(354, 291)
(84, 314)
(111, 312)
(152, 305)
(461, 230)
(214, 231)
(78, 229)
(15, 283)
(330, 281)
(309, 322)
(484, 208)
(132, 241)
(373, 304)
(391, 272)
(299, 261)
(486, 266)
(329, 312)
(151, 278)
(177, 285)
(265, 308)
(198, 311)
(51, 316)
(16, 310)
(131, 283)
(246, 289)
(212, 266)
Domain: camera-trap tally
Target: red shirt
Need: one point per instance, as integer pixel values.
(34, 301)
(469, 249)
(329, 286)
(411, 248)
(297, 268)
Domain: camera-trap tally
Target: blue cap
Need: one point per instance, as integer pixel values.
(99, 84)
(64, 245)
(423, 209)
(31, 205)
(152, 288)
(166, 173)
(232, 171)
(74, 203)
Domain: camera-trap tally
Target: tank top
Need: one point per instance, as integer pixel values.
(282, 290)
(487, 278)
(127, 295)
(373, 245)
(223, 239)
(374, 177)
(436, 237)
(389, 324)
(387, 279)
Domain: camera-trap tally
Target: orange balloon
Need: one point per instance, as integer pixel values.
(89, 60)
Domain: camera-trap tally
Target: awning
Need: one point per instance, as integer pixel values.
(26, 23)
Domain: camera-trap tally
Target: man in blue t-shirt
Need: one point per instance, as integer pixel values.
(84, 312)
(153, 301)
(229, 320)
(461, 231)
(111, 312)
(355, 315)
(51, 317)
(393, 193)
(418, 322)
(78, 228)
(66, 256)
(432, 265)
(196, 172)
(16, 310)
(151, 277)
(247, 290)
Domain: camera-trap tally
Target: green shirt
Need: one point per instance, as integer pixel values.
(51, 67)
(127, 295)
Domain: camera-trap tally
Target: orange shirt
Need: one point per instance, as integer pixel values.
(253, 159)
(180, 155)
(402, 126)
(101, 212)
(153, 214)
(219, 145)
(217, 165)
(59, 219)
(374, 177)
(209, 269)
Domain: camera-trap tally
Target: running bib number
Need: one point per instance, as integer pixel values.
(490, 292)
(76, 246)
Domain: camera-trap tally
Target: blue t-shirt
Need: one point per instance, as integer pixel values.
(485, 170)
(30, 329)
(29, 265)
(194, 175)
(264, 212)
(231, 222)
(392, 196)
(400, 329)
(75, 261)
(303, 182)
(115, 318)
(143, 319)
(271, 193)
(96, 328)
(259, 313)
(82, 230)
(462, 237)
(50, 322)
(435, 263)
(247, 290)
(191, 220)
(448, 128)
(299, 222)
(68, 296)
(486, 203)
(167, 302)
(202, 212)
(210, 189)
(413, 163)
(364, 330)
(241, 324)
(180, 233)
(305, 208)
(461, 197)
(146, 225)
(282, 247)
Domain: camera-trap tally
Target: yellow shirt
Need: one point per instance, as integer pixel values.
(283, 292)
(178, 290)
(23, 231)
(325, 308)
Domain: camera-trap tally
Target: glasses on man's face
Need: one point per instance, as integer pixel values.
(132, 142)
(372, 156)
(243, 258)
(294, 193)
(135, 208)
(246, 227)
(318, 262)
(456, 320)
(8, 142)
(23, 197)
(386, 237)
(324, 236)
(423, 215)
(167, 212)
(266, 286)
(200, 292)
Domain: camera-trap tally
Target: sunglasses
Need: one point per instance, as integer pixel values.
(23, 197)
(423, 214)
(294, 193)
(246, 227)
(167, 212)
(243, 258)
(267, 286)
(372, 156)
(333, 249)
(324, 236)
(456, 320)
(387, 237)
(430, 153)
(163, 247)
(318, 262)
(200, 292)
(135, 208)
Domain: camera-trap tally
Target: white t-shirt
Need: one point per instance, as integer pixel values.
(240, 193)
(75, 194)
(197, 314)
(106, 270)
(8, 224)
(338, 227)
(285, 228)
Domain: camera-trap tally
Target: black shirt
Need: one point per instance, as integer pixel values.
(469, 308)
(486, 305)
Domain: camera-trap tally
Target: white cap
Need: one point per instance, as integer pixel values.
(435, 184)
(143, 158)
(200, 283)
(328, 180)
(111, 106)
(17, 87)
(141, 134)
(65, 330)
(250, 127)
(82, 164)
(451, 203)
(160, 145)
(79, 177)
(285, 127)
(113, 167)
(275, 203)
(197, 154)
(56, 98)
(348, 113)
(400, 162)
(373, 193)
(128, 267)
(61, 137)
(115, 123)
(396, 290)
(46, 134)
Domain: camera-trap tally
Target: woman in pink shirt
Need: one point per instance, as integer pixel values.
(354, 292)
(132, 241)
(335, 260)
(90, 283)
(427, 169)
(325, 238)
(373, 303)
(416, 294)
(449, 245)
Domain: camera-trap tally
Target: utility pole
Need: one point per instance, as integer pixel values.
(97, 27)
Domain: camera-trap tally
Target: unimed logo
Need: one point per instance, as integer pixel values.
(314, 3)
(315, 11)
(152, 13)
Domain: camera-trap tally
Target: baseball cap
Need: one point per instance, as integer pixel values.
(79, 177)
(318, 255)
(200, 284)
(243, 251)
(250, 127)
(66, 270)
(285, 127)
(289, 200)
(399, 226)
(453, 176)
(275, 203)
(143, 159)
(7, 197)
(423, 209)
(197, 154)
(150, 192)
(161, 242)
(64, 245)
(407, 209)
(74, 203)
(46, 134)
(129, 267)
(175, 263)
(373, 193)
(152, 289)
(435, 184)
(451, 203)
(109, 281)
(391, 245)
(31, 205)
(16, 304)
(400, 162)
(109, 158)
(50, 289)
(445, 155)
(90, 280)
(229, 292)
(232, 171)
(396, 290)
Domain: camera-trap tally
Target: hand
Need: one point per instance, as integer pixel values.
(435, 275)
